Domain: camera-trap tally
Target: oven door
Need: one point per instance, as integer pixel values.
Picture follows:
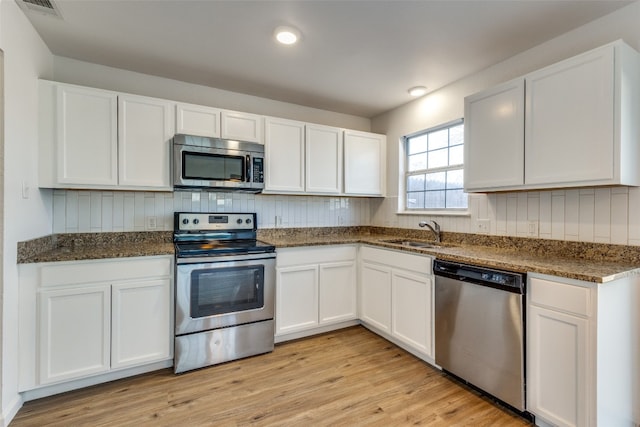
(226, 292)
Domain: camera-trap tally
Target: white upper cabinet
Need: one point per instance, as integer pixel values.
(197, 120)
(145, 131)
(216, 123)
(580, 126)
(364, 163)
(284, 155)
(78, 136)
(323, 159)
(576, 131)
(241, 126)
(302, 158)
(97, 139)
(494, 124)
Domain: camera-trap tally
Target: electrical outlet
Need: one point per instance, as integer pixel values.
(483, 226)
(152, 223)
(278, 220)
(532, 228)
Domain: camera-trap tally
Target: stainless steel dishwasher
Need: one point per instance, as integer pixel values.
(479, 328)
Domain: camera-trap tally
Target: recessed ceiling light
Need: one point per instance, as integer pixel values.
(417, 91)
(286, 35)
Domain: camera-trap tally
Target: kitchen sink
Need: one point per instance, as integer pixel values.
(416, 243)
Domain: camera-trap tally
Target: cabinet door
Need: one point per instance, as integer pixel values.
(557, 367)
(241, 126)
(494, 138)
(569, 124)
(364, 163)
(74, 332)
(323, 159)
(141, 327)
(284, 155)
(145, 132)
(197, 120)
(337, 292)
(87, 137)
(411, 309)
(296, 298)
(375, 296)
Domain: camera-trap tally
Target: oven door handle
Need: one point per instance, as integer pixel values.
(220, 260)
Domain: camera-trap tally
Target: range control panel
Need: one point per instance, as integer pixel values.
(198, 221)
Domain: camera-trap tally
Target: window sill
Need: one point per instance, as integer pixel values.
(443, 212)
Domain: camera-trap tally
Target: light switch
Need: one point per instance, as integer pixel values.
(25, 190)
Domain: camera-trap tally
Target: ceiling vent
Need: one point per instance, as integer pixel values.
(45, 7)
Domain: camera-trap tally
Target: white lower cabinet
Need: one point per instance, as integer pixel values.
(582, 351)
(396, 297)
(296, 298)
(411, 309)
(375, 295)
(139, 323)
(84, 318)
(315, 287)
(74, 327)
(557, 388)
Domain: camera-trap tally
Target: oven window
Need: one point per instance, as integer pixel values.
(226, 290)
(212, 167)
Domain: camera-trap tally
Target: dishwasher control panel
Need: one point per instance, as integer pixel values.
(479, 275)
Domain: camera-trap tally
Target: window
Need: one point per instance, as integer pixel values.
(434, 169)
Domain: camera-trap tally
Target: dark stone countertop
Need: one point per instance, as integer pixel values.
(592, 262)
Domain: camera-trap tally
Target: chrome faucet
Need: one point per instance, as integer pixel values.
(435, 228)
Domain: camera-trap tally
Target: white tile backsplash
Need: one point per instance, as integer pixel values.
(601, 215)
(102, 211)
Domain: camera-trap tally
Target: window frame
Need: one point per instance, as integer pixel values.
(404, 174)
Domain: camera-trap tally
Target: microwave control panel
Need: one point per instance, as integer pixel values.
(258, 169)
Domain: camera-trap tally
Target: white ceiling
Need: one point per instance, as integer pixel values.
(356, 57)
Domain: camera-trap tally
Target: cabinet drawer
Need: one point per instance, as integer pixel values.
(561, 296)
(405, 261)
(82, 272)
(315, 255)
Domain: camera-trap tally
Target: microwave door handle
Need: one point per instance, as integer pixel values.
(248, 168)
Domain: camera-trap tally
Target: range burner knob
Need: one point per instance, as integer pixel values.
(239, 221)
(185, 221)
(248, 221)
(196, 221)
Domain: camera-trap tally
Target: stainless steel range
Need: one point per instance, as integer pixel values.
(225, 289)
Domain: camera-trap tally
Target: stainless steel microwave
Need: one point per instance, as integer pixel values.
(217, 164)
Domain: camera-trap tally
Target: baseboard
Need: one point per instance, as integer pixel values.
(10, 411)
(315, 331)
(50, 390)
(425, 358)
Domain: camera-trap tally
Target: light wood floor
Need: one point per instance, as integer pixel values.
(350, 377)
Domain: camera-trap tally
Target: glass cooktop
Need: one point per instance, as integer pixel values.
(218, 247)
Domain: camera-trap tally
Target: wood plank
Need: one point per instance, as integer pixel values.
(349, 377)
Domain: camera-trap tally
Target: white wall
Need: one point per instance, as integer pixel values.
(26, 58)
(93, 75)
(604, 215)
